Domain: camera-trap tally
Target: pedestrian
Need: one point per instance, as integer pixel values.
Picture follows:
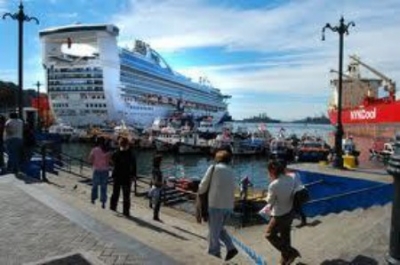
(124, 172)
(99, 158)
(2, 163)
(219, 182)
(298, 202)
(280, 199)
(13, 133)
(157, 184)
(245, 183)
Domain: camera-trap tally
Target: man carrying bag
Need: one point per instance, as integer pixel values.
(218, 187)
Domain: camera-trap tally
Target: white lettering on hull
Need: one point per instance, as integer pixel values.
(363, 114)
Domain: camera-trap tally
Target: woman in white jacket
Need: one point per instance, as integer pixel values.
(219, 181)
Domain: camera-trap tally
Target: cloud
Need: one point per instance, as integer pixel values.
(64, 15)
(3, 6)
(290, 32)
(9, 75)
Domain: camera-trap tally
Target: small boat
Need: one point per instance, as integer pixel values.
(280, 148)
(168, 140)
(192, 143)
(312, 151)
(66, 132)
(126, 131)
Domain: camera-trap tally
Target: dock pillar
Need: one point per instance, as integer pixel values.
(393, 169)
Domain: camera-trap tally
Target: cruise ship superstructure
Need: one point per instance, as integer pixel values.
(92, 81)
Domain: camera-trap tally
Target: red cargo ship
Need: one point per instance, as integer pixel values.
(364, 113)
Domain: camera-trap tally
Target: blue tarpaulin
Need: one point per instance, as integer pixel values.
(334, 194)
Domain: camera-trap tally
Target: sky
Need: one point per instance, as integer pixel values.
(267, 54)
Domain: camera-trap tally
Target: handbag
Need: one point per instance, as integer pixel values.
(202, 203)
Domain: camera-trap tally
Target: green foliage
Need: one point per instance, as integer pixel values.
(263, 117)
(322, 119)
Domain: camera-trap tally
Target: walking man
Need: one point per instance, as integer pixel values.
(280, 197)
(13, 140)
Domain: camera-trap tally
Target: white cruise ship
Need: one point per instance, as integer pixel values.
(92, 81)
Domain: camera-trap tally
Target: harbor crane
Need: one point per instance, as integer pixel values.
(353, 79)
(390, 85)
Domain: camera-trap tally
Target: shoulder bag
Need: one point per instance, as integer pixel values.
(202, 202)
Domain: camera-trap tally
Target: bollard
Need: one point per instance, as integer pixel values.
(393, 169)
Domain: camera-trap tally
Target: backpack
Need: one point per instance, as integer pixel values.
(301, 196)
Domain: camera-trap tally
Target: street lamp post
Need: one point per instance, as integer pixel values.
(38, 84)
(394, 169)
(21, 17)
(341, 29)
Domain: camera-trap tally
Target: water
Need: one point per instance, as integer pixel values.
(194, 166)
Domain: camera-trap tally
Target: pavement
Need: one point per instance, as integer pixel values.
(45, 221)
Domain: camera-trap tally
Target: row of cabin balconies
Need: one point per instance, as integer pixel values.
(81, 82)
(76, 70)
(68, 89)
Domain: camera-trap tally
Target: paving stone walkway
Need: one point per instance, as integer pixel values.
(31, 231)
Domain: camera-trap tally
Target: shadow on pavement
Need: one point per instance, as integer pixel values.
(188, 232)
(359, 260)
(143, 223)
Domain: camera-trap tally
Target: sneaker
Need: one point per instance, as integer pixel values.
(103, 205)
(157, 219)
(231, 254)
(294, 255)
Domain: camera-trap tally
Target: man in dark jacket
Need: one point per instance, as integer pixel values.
(124, 172)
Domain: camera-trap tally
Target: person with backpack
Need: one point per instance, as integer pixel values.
(280, 199)
(301, 196)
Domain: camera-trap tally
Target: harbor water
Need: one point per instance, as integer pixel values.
(194, 166)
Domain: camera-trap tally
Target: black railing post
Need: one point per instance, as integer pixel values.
(43, 152)
(393, 169)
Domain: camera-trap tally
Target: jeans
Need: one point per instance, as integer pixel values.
(14, 152)
(156, 200)
(100, 178)
(217, 232)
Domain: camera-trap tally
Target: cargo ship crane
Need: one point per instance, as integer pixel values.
(390, 87)
(343, 74)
